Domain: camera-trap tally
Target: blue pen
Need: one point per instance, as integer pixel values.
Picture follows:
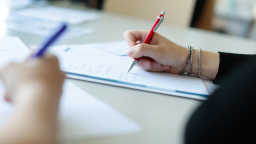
(40, 52)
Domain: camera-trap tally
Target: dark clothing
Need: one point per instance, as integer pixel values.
(228, 116)
(229, 62)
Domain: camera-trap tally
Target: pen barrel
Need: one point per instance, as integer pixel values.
(148, 37)
(151, 32)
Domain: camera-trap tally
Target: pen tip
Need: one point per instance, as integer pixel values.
(129, 69)
(132, 64)
(163, 12)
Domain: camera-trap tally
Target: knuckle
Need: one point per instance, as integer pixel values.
(126, 33)
(141, 48)
(53, 58)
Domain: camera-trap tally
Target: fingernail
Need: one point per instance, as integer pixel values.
(166, 67)
(138, 42)
(130, 52)
(146, 65)
(7, 99)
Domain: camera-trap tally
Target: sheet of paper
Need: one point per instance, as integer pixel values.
(58, 14)
(15, 4)
(81, 115)
(117, 48)
(12, 49)
(88, 62)
(42, 27)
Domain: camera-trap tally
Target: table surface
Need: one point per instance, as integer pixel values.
(163, 117)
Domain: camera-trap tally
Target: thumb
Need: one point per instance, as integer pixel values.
(147, 50)
(7, 97)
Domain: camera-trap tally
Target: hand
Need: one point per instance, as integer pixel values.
(31, 79)
(160, 55)
(164, 55)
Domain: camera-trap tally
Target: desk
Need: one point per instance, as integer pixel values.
(162, 117)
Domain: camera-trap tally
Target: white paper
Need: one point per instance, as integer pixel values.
(117, 48)
(12, 49)
(15, 4)
(85, 61)
(81, 115)
(84, 117)
(42, 27)
(58, 14)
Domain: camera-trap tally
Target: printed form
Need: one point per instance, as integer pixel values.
(87, 63)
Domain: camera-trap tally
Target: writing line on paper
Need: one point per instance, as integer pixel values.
(87, 61)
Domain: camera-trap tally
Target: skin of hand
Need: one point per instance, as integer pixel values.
(163, 55)
(34, 87)
(160, 54)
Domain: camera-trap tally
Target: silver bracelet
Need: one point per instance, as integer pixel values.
(188, 58)
(191, 61)
(199, 63)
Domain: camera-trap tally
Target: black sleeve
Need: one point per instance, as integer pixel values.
(228, 116)
(228, 61)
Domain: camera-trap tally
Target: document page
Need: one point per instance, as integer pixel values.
(85, 61)
(118, 47)
(59, 14)
(12, 49)
(43, 27)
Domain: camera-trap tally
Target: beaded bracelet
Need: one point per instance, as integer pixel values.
(191, 61)
(199, 63)
(188, 58)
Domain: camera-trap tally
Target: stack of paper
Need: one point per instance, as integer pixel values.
(58, 14)
(87, 63)
(43, 20)
(15, 4)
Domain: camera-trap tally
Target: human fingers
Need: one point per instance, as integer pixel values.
(142, 50)
(4, 71)
(131, 37)
(151, 65)
(7, 97)
(48, 61)
(5, 76)
(54, 59)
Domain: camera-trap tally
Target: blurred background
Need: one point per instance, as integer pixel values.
(232, 17)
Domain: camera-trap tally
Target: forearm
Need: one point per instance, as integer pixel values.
(209, 64)
(34, 121)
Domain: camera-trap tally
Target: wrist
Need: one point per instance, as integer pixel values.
(209, 64)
